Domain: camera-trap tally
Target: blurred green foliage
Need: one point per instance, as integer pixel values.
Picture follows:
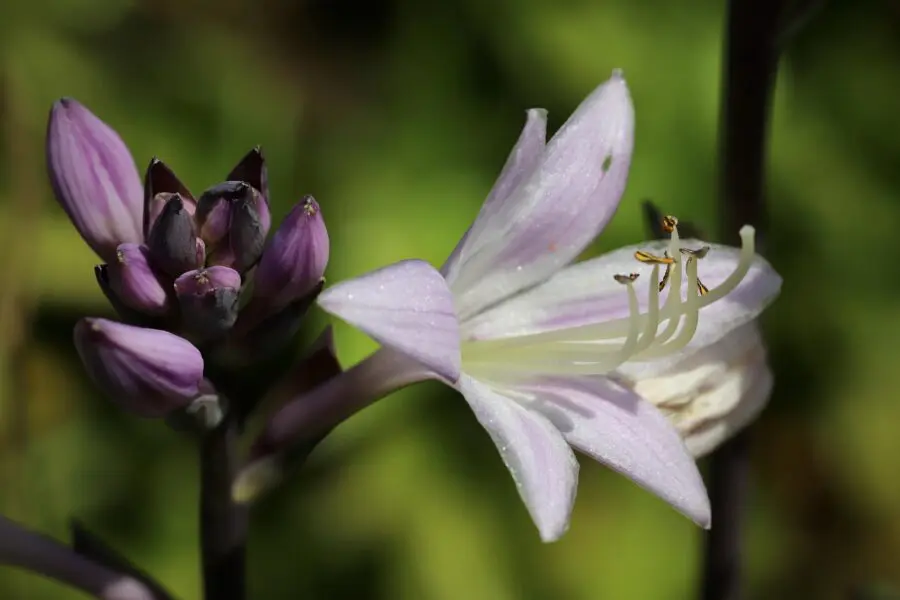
(396, 115)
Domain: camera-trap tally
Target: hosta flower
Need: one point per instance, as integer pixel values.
(712, 394)
(537, 346)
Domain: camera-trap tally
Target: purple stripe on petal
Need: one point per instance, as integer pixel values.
(407, 306)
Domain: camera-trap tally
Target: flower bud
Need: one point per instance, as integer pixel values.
(209, 300)
(94, 178)
(294, 261)
(252, 169)
(149, 372)
(173, 243)
(160, 186)
(135, 282)
(234, 221)
(101, 272)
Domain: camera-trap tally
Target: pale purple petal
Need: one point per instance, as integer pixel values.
(554, 213)
(542, 464)
(614, 426)
(407, 306)
(519, 165)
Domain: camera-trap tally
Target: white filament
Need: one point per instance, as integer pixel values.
(598, 348)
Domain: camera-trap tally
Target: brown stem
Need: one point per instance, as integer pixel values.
(223, 523)
(750, 67)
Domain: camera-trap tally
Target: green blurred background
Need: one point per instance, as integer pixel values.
(397, 115)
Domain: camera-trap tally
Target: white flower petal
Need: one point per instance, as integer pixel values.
(708, 437)
(406, 306)
(542, 464)
(550, 218)
(519, 165)
(616, 427)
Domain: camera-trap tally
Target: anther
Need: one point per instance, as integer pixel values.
(699, 253)
(652, 259)
(669, 223)
(626, 279)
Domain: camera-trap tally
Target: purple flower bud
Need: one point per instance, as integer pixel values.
(173, 240)
(94, 178)
(209, 300)
(135, 282)
(149, 372)
(234, 221)
(252, 169)
(101, 272)
(160, 186)
(294, 261)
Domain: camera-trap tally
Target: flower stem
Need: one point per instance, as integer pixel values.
(21, 547)
(752, 49)
(223, 523)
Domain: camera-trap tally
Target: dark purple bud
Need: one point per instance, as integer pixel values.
(234, 220)
(94, 178)
(173, 240)
(252, 170)
(209, 300)
(136, 283)
(149, 372)
(160, 186)
(294, 261)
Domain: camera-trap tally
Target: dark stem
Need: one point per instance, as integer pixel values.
(223, 523)
(38, 553)
(750, 67)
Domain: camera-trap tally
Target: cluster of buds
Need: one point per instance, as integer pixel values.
(188, 275)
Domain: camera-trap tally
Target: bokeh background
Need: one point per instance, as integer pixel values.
(397, 115)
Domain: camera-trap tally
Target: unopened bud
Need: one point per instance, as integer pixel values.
(94, 178)
(209, 300)
(136, 283)
(173, 241)
(294, 262)
(149, 372)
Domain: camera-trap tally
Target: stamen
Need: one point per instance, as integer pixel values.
(748, 251)
(652, 325)
(692, 317)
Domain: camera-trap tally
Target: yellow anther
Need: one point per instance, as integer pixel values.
(652, 259)
(669, 223)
